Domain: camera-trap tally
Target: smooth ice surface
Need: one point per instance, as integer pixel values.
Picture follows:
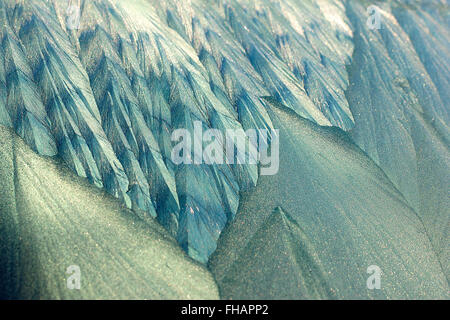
(402, 113)
(51, 219)
(312, 230)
